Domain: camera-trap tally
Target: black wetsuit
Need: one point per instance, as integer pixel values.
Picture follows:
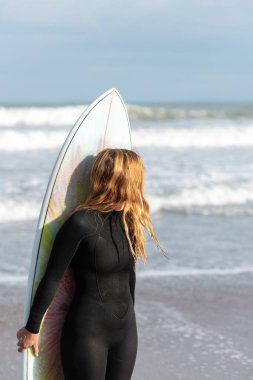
(99, 337)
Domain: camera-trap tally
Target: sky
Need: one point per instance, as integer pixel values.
(71, 51)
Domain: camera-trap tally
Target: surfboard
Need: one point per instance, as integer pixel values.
(103, 124)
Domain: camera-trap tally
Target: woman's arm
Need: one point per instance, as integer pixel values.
(65, 245)
(132, 279)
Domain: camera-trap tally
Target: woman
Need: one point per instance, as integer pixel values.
(101, 241)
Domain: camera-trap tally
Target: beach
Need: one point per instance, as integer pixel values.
(193, 311)
(190, 328)
(194, 328)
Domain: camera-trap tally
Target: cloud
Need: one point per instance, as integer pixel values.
(140, 19)
(175, 44)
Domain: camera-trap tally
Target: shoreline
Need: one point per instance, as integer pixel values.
(189, 328)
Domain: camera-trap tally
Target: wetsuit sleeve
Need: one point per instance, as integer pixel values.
(132, 280)
(65, 245)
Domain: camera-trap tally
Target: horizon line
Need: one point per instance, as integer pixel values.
(127, 102)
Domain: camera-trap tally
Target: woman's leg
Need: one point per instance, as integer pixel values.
(122, 357)
(83, 359)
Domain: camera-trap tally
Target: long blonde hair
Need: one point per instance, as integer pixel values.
(117, 177)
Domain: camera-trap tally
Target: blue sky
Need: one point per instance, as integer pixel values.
(152, 51)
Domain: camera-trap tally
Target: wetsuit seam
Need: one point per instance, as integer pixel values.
(114, 242)
(97, 282)
(95, 257)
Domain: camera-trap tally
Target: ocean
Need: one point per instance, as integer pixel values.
(198, 162)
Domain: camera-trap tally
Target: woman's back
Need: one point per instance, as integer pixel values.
(99, 335)
(95, 246)
(103, 263)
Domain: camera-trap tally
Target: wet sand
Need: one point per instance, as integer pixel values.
(195, 328)
(190, 328)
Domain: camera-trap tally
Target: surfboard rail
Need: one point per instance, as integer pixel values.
(115, 115)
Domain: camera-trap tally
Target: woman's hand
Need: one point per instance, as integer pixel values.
(27, 339)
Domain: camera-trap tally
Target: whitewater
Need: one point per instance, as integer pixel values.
(199, 164)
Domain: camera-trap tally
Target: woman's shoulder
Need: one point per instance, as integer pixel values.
(87, 220)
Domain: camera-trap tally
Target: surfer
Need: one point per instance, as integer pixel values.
(101, 241)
